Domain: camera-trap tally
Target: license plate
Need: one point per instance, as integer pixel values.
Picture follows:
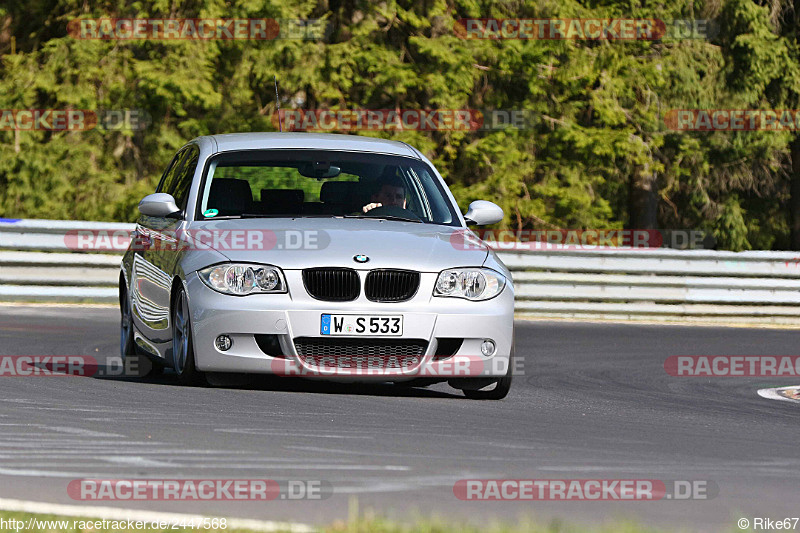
(366, 325)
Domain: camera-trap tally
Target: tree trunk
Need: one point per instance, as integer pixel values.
(794, 198)
(643, 199)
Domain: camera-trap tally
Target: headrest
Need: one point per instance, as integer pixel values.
(337, 192)
(230, 196)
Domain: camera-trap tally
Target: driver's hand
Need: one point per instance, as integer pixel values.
(373, 205)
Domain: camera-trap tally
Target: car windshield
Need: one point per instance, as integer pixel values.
(322, 183)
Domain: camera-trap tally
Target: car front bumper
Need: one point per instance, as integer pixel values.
(294, 315)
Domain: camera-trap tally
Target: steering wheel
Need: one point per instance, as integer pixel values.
(392, 211)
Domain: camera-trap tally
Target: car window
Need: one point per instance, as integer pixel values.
(182, 182)
(177, 179)
(302, 183)
(172, 168)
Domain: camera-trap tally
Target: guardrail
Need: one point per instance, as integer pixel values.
(658, 284)
(38, 264)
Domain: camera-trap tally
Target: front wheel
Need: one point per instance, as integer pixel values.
(132, 360)
(501, 388)
(499, 391)
(127, 347)
(182, 346)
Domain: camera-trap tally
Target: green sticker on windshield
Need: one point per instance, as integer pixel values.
(210, 213)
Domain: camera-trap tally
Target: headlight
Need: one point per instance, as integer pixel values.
(243, 279)
(469, 283)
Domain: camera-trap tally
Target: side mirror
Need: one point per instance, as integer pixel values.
(483, 213)
(158, 205)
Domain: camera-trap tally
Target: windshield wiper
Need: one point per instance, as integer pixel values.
(296, 215)
(264, 215)
(367, 216)
(390, 217)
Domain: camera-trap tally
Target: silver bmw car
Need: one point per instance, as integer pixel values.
(320, 256)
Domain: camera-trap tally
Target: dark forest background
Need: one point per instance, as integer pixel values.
(599, 155)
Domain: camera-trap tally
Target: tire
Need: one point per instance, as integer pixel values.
(129, 352)
(182, 345)
(500, 390)
(127, 346)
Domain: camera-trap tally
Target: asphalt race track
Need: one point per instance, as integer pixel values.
(595, 402)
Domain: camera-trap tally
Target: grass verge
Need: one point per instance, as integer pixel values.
(48, 523)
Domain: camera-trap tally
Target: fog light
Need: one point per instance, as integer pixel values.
(488, 347)
(223, 343)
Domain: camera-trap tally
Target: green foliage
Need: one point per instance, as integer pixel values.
(598, 105)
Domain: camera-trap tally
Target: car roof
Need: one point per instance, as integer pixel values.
(318, 141)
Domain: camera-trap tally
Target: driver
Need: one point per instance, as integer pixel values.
(389, 192)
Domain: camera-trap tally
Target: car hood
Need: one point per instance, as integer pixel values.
(315, 242)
